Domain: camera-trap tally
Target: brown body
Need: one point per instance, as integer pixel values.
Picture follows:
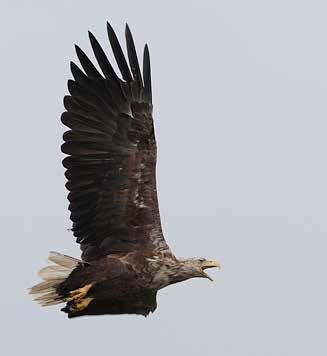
(117, 287)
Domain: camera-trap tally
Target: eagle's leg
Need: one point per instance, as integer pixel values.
(80, 304)
(77, 298)
(78, 293)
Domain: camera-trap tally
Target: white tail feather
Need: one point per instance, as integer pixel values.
(45, 292)
(54, 272)
(63, 260)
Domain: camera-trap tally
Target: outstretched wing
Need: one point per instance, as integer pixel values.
(111, 150)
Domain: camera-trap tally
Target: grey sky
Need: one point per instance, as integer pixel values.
(240, 92)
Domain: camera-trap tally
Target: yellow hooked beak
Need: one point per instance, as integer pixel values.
(209, 264)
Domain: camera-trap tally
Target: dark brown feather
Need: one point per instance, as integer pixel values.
(87, 65)
(119, 55)
(132, 56)
(147, 75)
(102, 59)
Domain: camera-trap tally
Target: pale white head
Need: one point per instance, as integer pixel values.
(192, 268)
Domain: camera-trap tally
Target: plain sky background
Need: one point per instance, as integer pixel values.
(240, 91)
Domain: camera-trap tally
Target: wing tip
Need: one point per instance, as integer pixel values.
(146, 51)
(77, 47)
(127, 28)
(110, 28)
(147, 73)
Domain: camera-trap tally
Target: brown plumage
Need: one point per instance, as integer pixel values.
(111, 178)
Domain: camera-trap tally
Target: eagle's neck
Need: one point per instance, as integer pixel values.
(166, 271)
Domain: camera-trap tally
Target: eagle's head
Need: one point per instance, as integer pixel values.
(195, 267)
(172, 270)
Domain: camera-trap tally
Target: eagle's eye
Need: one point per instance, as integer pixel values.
(202, 259)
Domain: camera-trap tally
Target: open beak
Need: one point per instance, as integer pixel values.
(209, 264)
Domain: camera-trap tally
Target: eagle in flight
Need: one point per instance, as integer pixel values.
(111, 177)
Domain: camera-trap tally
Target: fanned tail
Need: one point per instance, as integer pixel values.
(45, 293)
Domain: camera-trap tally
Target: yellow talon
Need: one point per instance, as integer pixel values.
(79, 299)
(81, 304)
(79, 293)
